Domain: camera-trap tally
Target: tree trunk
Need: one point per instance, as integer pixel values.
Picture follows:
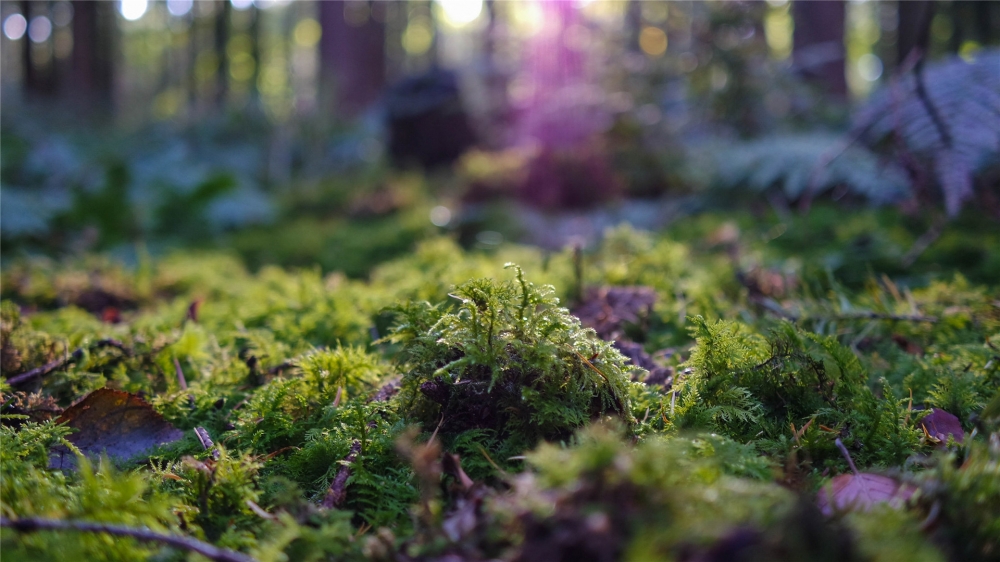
(910, 25)
(94, 34)
(39, 80)
(818, 44)
(221, 39)
(352, 59)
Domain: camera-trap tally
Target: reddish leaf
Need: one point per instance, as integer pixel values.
(608, 309)
(112, 422)
(940, 424)
(907, 345)
(860, 492)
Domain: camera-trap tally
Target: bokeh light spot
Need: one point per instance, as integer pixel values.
(179, 7)
(459, 13)
(870, 67)
(440, 216)
(356, 13)
(133, 9)
(968, 50)
(62, 13)
(241, 66)
(418, 37)
(653, 41)
(307, 32)
(40, 29)
(15, 26)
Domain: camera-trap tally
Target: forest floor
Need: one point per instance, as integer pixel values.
(728, 385)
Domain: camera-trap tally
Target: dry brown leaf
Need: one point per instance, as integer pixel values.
(939, 424)
(608, 309)
(113, 422)
(861, 492)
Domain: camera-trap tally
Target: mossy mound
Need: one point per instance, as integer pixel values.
(508, 359)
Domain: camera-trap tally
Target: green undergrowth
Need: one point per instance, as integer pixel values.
(562, 451)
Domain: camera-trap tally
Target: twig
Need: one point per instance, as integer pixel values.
(110, 342)
(337, 493)
(46, 368)
(882, 316)
(280, 367)
(847, 455)
(433, 435)
(28, 525)
(260, 511)
(924, 242)
(180, 374)
(183, 381)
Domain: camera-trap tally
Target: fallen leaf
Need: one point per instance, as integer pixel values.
(907, 345)
(658, 375)
(861, 492)
(608, 309)
(939, 424)
(112, 422)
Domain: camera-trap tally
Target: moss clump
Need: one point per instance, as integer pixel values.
(756, 389)
(508, 358)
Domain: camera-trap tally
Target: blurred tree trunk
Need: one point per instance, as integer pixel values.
(255, 34)
(93, 57)
(352, 58)
(912, 16)
(221, 40)
(973, 21)
(818, 43)
(39, 79)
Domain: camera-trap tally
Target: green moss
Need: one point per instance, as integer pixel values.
(507, 358)
(283, 373)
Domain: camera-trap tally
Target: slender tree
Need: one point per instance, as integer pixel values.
(818, 44)
(352, 56)
(93, 57)
(912, 16)
(221, 40)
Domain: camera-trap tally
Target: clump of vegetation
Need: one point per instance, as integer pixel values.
(296, 432)
(754, 390)
(507, 359)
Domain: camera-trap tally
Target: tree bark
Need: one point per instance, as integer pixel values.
(352, 59)
(94, 36)
(221, 40)
(37, 80)
(910, 25)
(818, 44)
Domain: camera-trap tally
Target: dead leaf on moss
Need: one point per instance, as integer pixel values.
(112, 422)
(608, 309)
(940, 424)
(861, 492)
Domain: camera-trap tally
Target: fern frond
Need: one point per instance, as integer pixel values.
(965, 95)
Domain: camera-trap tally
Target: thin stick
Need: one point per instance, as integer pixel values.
(280, 367)
(30, 524)
(183, 381)
(921, 244)
(433, 435)
(337, 493)
(847, 455)
(180, 374)
(46, 368)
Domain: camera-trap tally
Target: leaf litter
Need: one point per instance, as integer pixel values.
(115, 423)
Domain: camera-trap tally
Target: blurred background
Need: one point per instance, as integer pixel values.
(341, 133)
